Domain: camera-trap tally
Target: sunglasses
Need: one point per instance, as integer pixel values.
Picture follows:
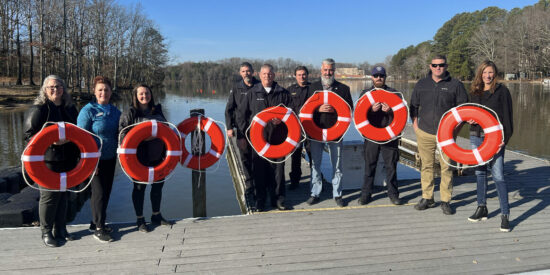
(439, 65)
(378, 75)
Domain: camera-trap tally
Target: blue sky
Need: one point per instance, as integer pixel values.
(307, 31)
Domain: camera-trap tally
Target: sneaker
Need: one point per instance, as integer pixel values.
(363, 201)
(339, 201)
(396, 200)
(159, 220)
(141, 225)
(107, 229)
(312, 200)
(446, 207)
(424, 204)
(504, 224)
(480, 214)
(102, 236)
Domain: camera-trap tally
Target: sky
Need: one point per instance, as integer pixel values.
(350, 31)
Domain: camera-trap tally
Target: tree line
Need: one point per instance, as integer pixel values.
(77, 40)
(518, 41)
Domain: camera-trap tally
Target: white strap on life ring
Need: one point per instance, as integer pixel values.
(61, 130)
(187, 159)
(63, 181)
(154, 128)
(32, 158)
(266, 147)
(173, 153)
(306, 115)
(492, 129)
(287, 115)
(456, 115)
(90, 155)
(259, 120)
(446, 142)
(325, 97)
(292, 142)
(151, 176)
(477, 156)
(325, 134)
(362, 124)
(207, 125)
(370, 98)
(214, 153)
(398, 106)
(390, 132)
(128, 151)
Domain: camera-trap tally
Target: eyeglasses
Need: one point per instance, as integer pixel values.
(56, 87)
(379, 75)
(439, 65)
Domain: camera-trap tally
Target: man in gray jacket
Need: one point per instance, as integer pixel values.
(432, 96)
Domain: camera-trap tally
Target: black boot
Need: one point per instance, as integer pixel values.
(480, 214)
(504, 224)
(159, 220)
(49, 240)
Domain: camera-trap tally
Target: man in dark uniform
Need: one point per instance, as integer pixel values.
(236, 96)
(298, 94)
(266, 175)
(380, 116)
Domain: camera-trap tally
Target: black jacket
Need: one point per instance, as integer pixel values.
(298, 96)
(430, 100)
(380, 118)
(501, 102)
(326, 120)
(149, 153)
(234, 102)
(256, 101)
(40, 114)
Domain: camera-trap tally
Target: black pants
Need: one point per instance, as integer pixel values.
(102, 184)
(138, 196)
(390, 154)
(296, 163)
(52, 207)
(246, 157)
(268, 178)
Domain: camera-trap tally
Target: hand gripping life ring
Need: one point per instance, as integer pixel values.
(128, 149)
(217, 142)
(261, 146)
(33, 156)
(313, 103)
(491, 127)
(388, 133)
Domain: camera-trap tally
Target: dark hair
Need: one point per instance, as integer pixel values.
(440, 56)
(301, 68)
(103, 80)
(135, 102)
(268, 66)
(478, 86)
(246, 64)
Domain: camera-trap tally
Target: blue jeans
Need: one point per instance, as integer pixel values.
(335, 152)
(496, 165)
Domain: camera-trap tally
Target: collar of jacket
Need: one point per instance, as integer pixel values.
(275, 88)
(244, 86)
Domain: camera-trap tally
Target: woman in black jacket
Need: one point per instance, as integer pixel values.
(53, 104)
(150, 152)
(488, 92)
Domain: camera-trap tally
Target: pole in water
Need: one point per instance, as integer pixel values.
(198, 178)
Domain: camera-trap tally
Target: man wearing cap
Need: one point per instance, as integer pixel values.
(380, 116)
(431, 98)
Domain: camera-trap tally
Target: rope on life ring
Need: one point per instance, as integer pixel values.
(486, 118)
(33, 163)
(270, 151)
(394, 129)
(127, 151)
(337, 131)
(217, 144)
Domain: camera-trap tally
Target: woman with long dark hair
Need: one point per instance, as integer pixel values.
(486, 91)
(150, 152)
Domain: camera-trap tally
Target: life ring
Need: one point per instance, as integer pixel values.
(313, 103)
(388, 133)
(261, 146)
(217, 142)
(491, 127)
(33, 156)
(128, 148)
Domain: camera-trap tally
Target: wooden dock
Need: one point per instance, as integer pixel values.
(321, 239)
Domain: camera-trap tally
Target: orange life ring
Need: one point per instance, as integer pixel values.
(128, 149)
(388, 133)
(261, 146)
(491, 127)
(217, 142)
(33, 156)
(313, 103)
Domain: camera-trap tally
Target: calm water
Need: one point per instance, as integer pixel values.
(531, 123)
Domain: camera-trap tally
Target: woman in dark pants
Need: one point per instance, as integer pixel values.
(101, 118)
(53, 104)
(150, 152)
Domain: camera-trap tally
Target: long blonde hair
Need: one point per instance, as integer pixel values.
(478, 86)
(42, 97)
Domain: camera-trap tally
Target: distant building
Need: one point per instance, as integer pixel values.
(349, 73)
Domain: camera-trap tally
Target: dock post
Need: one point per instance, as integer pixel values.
(198, 178)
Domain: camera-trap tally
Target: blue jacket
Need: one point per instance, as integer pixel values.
(101, 120)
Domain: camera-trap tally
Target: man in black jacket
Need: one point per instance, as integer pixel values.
(299, 94)
(325, 117)
(236, 96)
(431, 98)
(380, 116)
(266, 175)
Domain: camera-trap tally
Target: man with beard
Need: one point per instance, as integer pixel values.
(380, 115)
(431, 98)
(325, 117)
(267, 175)
(298, 94)
(236, 96)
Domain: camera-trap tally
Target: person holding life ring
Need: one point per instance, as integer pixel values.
(380, 115)
(325, 118)
(486, 90)
(101, 118)
(150, 152)
(53, 104)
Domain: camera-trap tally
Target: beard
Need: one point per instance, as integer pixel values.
(378, 84)
(327, 81)
(247, 79)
